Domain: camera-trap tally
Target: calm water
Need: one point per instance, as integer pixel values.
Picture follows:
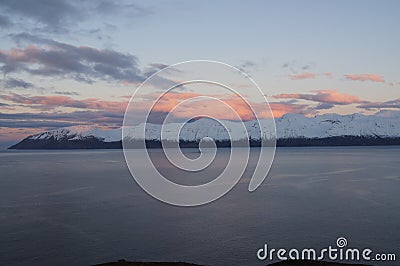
(83, 207)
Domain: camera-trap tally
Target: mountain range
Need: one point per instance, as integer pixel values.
(382, 128)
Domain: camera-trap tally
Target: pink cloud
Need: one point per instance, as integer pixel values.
(324, 96)
(365, 77)
(164, 105)
(278, 109)
(281, 108)
(53, 101)
(306, 75)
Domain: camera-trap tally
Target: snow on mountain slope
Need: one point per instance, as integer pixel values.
(329, 125)
(80, 133)
(201, 128)
(382, 124)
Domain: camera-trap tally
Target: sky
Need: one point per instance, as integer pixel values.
(67, 63)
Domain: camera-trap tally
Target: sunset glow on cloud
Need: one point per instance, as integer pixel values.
(306, 75)
(324, 96)
(365, 77)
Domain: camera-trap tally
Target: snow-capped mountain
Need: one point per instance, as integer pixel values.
(79, 133)
(204, 127)
(382, 125)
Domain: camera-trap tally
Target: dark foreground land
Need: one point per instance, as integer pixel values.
(131, 263)
(313, 263)
(282, 263)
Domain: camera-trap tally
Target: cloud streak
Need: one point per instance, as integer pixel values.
(46, 57)
(62, 16)
(55, 101)
(365, 77)
(378, 105)
(11, 83)
(306, 75)
(50, 15)
(172, 99)
(332, 97)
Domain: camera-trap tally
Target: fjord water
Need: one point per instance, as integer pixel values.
(81, 207)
